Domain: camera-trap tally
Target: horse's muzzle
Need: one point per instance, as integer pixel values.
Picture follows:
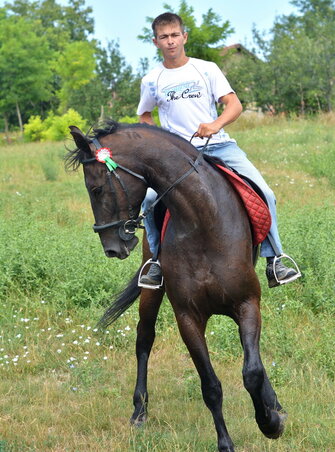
(120, 249)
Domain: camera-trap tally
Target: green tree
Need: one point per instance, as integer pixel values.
(240, 65)
(204, 41)
(55, 27)
(76, 68)
(317, 19)
(60, 24)
(115, 89)
(299, 70)
(25, 74)
(77, 20)
(121, 83)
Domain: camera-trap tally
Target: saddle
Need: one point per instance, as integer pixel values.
(252, 198)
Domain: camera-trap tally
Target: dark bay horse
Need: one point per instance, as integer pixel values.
(206, 255)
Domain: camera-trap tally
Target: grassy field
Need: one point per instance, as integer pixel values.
(67, 387)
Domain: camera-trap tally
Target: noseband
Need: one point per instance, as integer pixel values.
(127, 228)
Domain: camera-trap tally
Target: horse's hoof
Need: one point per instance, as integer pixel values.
(226, 446)
(138, 421)
(267, 430)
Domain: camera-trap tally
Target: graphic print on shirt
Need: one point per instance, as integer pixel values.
(184, 90)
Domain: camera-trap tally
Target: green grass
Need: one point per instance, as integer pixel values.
(67, 387)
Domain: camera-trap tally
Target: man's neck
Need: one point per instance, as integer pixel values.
(175, 63)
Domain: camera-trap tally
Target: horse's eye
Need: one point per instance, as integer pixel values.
(96, 190)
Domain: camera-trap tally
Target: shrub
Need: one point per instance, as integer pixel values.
(129, 119)
(59, 128)
(53, 128)
(33, 130)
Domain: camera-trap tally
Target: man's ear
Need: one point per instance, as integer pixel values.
(185, 37)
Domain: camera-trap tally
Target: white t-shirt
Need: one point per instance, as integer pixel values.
(185, 97)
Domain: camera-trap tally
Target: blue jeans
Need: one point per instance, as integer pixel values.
(233, 156)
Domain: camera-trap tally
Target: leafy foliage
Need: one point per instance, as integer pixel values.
(24, 80)
(60, 24)
(121, 85)
(53, 128)
(49, 61)
(300, 60)
(75, 66)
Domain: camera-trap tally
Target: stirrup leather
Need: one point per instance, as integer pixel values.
(151, 286)
(292, 278)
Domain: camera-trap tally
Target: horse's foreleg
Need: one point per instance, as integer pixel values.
(267, 407)
(149, 307)
(192, 333)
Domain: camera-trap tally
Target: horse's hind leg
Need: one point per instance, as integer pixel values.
(149, 307)
(267, 407)
(193, 332)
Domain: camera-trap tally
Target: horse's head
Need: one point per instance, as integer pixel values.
(115, 193)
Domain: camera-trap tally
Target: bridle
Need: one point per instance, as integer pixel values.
(127, 228)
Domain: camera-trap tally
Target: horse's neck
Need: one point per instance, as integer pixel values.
(164, 159)
(190, 193)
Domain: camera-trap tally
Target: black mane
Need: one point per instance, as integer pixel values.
(110, 126)
(74, 158)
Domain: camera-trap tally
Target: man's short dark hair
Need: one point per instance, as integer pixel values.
(167, 19)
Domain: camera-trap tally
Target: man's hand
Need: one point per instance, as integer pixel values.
(232, 111)
(146, 118)
(207, 130)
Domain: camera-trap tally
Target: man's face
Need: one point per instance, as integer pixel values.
(170, 40)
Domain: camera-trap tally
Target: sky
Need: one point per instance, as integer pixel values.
(115, 20)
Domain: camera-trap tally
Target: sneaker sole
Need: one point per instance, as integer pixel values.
(274, 283)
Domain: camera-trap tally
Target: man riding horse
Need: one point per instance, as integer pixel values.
(185, 90)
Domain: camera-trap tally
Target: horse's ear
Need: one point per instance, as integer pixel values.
(80, 139)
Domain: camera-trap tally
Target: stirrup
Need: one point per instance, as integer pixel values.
(151, 286)
(292, 278)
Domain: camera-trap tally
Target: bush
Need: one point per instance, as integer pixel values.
(129, 119)
(53, 128)
(33, 130)
(59, 128)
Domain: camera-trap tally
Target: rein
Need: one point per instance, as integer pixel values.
(194, 167)
(127, 228)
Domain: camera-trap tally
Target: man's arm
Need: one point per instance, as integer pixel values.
(232, 111)
(146, 118)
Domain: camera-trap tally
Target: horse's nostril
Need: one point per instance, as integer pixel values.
(110, 253)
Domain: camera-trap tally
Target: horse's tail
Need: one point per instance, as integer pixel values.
(123, 301)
